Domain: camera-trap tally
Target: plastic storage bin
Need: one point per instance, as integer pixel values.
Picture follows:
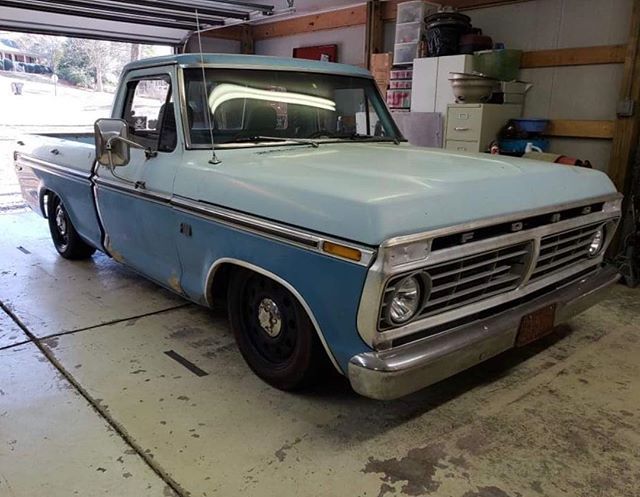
(503, 65)
(400, 84)
(404, 53)
(515, 146)
(401, 74)
(414, 11)
(409, 33)
(399, 99)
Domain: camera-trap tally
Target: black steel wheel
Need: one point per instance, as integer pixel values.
(65, 237)
(273, 332)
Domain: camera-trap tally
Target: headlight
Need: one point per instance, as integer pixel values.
(405, 301)
(597, 241)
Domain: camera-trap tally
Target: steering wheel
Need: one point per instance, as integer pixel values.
(323, 132)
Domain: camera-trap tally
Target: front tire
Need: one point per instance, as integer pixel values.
(65, 237)
(273, 332)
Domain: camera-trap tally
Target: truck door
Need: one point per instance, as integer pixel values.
(134, 203)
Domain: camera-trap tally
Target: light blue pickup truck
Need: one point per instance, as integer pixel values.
(283, 188)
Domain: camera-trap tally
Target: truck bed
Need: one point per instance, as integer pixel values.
(60, 163)
(87, 138)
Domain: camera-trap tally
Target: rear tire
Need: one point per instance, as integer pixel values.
(273, 332)
(65, 237)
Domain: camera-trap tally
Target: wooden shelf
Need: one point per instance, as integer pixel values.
(608, 54)
(568, 128)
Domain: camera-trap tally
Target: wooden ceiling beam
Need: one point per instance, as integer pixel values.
(342, 18)
(226, 33)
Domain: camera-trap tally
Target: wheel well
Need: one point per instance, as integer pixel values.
(219, 284)
(44, 201)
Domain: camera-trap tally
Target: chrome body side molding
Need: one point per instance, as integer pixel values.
(50, 167)
(269, 229)
(241, 221)
(127, 189)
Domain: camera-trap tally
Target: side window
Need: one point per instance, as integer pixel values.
(150, 114)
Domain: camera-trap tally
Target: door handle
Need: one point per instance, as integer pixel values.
(461, 129)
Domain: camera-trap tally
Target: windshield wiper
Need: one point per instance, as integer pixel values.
(260, 138)
(359, 137)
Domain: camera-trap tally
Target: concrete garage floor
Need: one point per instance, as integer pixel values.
(90, 404)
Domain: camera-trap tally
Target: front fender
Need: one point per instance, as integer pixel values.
(211, 274)
(329, 289)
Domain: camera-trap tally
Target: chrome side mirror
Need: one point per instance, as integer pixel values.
(112, 142)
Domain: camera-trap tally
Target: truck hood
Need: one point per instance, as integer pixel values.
(369, 192)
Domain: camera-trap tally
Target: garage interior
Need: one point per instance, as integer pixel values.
(112, 385)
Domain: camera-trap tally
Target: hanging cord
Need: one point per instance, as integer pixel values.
(205, 104)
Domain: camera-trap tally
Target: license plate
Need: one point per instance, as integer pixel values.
(536, 325)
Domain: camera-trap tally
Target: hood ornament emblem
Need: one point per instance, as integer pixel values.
(467, 237)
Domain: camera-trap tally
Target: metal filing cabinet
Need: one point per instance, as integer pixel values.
(472, 127)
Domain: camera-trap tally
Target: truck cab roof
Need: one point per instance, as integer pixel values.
(250, 62)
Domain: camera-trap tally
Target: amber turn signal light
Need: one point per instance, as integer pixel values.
(342, 251)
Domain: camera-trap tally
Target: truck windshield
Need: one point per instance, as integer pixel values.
(249, 107)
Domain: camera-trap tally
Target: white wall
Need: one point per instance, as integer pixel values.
(546, 24)
(578, 92)
(350, 43)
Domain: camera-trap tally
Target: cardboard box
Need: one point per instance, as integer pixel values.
(380, 67)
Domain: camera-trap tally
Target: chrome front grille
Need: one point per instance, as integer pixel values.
(475, 269)
(564, 249)
(470, 279)
(463, 281)
(460, 282)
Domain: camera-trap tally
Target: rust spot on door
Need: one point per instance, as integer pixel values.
(174, 283)
(117, 256)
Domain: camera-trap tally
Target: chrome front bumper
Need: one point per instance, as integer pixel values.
(389, 374)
